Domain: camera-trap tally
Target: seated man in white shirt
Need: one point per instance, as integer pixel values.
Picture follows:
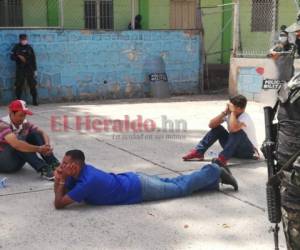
(238, 141)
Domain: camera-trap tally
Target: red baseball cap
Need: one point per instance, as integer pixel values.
(19, 105)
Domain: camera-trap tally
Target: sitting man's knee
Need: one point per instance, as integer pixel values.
(239, 133)
(219, 128)
(12, 167)
(35, 138)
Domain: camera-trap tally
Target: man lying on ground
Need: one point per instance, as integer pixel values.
(20, 141)
(239, 140)
(76, 181)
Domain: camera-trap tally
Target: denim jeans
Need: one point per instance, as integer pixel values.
(12, 160)
(235, 144)
(156, 188)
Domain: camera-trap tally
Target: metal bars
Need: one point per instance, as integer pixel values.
(11, 13)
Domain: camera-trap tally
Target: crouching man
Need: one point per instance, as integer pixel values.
(20, 141)
(76, 181)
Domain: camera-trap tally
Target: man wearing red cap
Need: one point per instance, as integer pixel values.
(20, 141)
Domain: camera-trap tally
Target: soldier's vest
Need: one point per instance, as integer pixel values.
(288, 143)
(288, 135)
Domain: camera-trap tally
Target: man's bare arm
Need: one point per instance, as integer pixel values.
(216, 121)
(234, 125)
(23, 146)
(61, 198)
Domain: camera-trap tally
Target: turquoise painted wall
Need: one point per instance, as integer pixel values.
(105, 65)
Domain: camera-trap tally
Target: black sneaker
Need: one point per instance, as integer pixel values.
(54, 165)
(227, 178)
(34, 102)
(47, 173)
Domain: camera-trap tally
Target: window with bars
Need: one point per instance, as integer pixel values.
(98, 14)
(264, 14)
(11, 13)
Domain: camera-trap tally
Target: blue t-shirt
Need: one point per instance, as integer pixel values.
(96, 187)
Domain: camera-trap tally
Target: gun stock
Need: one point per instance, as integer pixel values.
(273, 192)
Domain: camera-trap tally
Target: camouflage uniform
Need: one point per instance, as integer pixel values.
(290, 199)
(288, 143)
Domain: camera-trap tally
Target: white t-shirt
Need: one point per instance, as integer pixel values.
(249, 127)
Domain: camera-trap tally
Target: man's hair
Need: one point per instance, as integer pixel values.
(239, 101)
(76, 155)
(22, 36)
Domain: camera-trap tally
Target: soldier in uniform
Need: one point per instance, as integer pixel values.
(290, 196)
(283, 54)
(288, 144)
(24, 56)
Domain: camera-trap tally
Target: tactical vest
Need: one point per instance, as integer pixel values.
(288, 141)
(288, 135)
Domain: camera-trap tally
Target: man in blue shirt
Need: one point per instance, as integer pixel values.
(76, 181)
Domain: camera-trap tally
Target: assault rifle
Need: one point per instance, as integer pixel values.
(272, 189)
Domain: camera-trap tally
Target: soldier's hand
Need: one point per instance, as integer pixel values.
(22, 58)
(275, 55)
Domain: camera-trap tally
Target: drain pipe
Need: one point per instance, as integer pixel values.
(133, 14)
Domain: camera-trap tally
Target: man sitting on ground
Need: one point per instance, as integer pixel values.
(240, 139)
(76, 181)
(20, 141)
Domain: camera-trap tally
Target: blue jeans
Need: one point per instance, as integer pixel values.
(234, 144)
(156, 188)
(12, 160)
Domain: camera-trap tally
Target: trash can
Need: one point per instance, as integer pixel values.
(156, 77)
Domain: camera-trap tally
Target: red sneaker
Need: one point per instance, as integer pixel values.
(221, 161)
(193, 155)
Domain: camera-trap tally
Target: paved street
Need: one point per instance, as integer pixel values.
(205, 221)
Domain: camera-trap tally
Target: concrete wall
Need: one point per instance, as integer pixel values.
(247, 75)
(159, 14)
(74, 65)
(212, 23)
(122, 14)
(73, 14)
(259, 42)
(144, 11)
(34, 13)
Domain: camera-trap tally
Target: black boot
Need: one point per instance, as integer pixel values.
(227, 178)
(34, 101)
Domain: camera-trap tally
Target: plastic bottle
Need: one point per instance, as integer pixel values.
(212, 154)
(3, 182)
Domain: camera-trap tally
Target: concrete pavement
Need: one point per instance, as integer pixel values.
(212, 220)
